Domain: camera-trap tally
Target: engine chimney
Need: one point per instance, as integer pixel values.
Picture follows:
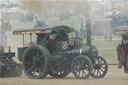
(88, 29)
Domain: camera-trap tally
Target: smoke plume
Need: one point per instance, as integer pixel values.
(41, 6)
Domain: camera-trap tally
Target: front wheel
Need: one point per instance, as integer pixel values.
(100, 67)
(81, 67)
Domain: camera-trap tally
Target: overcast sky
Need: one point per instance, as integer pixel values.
(1, 1)
(50, 0)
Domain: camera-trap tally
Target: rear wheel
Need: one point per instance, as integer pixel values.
(36, 62)
(100, 67)
(81, 67)
(60, 74)
(57, 69)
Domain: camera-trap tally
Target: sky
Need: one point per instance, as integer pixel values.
(62, 0)
(48, 0)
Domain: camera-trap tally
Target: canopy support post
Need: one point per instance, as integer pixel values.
(31, 38)
(23, 40)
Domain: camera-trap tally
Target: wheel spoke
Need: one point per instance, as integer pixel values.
(39, 69)
(76, 70)
(99, 61)
(102, 67)
(34, 57)
(35, 69)
(30, 68)
(84, 72)
(86, 67)
(78, 62)
(39, 58)
(83, 62)
(37, 55)
(79, 72)
(94, 71)
(34, 52)
(101, 64)
(99, 72)
(41, 62)
(28, 54)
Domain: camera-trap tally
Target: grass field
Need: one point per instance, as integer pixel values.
(107, 49)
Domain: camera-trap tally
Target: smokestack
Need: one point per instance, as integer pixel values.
(88, 29)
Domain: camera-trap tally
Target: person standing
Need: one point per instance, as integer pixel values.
(105, 36)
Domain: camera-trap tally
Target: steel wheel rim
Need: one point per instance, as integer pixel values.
(81, 68)
(100, 68)
(34, 63)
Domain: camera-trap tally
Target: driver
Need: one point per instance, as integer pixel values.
(50, 41)
(61, 36)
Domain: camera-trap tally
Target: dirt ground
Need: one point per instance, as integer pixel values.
(114, 76)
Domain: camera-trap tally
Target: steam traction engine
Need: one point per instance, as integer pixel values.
(57, 52)
(8, 67)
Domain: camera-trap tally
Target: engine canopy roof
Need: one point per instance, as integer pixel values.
(44, 30)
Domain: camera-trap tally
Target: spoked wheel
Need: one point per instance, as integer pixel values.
(60, 74)
(36, 62)
(81, 67)
(100, 67)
